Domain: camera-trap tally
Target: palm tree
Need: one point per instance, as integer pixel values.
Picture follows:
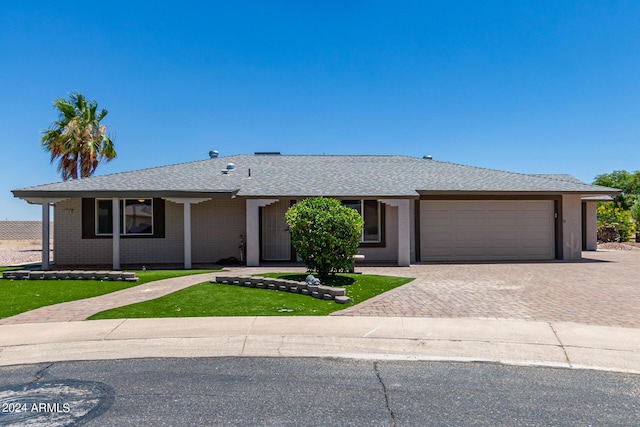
(77, 139)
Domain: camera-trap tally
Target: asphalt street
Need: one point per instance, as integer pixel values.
(230, 391)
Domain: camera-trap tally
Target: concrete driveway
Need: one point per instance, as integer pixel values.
(602, 289)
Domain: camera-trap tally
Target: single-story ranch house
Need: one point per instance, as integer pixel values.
(414, 210)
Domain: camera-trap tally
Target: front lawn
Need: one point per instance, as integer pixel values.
(14, 268)
(18, 296)
(214, 299)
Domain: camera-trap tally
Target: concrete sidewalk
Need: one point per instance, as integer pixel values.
(558, 344)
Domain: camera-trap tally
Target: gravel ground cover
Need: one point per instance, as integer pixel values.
(16, 252)
(626, 246)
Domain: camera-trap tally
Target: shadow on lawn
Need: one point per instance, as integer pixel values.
(330, 281)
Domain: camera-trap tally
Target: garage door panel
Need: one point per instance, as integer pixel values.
(486, 230)
(539, 223)
(501, 206)
(471, 239)
(532, 235)
(469, 222)
(466, 206)
(542, 252)
(469, 253)
(500, 251)
(504, 235)
(441, 222)
(439, 253)
(443, 206)
(505, 223)
(501, 243)
(471, 244)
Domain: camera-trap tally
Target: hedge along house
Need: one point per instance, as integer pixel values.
(414, 210)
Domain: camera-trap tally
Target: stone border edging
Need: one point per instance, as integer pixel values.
(317, 291)
(69, 275)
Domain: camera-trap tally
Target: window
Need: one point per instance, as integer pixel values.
(104, 217)
(370, 211)
(136, 217)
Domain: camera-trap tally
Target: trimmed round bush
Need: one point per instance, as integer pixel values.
(325, 234)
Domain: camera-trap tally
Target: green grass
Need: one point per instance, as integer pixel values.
(18, 296)
(14, 268)
(214, 299)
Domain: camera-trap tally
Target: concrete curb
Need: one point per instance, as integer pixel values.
(555, 344)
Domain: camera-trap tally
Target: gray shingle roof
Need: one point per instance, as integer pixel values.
(308, 175)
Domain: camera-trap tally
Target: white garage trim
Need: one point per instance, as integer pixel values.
(485, 230)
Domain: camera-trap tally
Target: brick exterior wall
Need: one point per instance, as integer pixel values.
(217, 226)
(68, 245)
(71, 248)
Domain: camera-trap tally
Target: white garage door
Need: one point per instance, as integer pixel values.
(486, 230)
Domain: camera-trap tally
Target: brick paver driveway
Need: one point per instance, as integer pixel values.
(602, 289)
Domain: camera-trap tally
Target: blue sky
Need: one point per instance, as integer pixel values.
(525, 86)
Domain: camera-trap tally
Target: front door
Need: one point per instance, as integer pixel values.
(276, 239)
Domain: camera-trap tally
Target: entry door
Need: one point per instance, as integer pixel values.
(276, 239)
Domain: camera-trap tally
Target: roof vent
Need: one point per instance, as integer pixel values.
(230, 167)
(266, 153)
(428, 157)
(213, 154)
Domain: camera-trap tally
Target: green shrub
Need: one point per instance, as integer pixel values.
(611, 216)
(325, 234)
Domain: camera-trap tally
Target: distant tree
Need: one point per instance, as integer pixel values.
(635, 215)
(77, 140)
(325, 234)
(628, 182)
(611, 217)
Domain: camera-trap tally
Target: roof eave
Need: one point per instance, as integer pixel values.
(39, 194)
(513, 193)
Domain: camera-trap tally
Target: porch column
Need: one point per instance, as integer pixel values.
(115, 209)
(404, 229)
(252, 216)
(591, 226)
(571, 227)
(46, 224)
(187, 235)
(187, 226)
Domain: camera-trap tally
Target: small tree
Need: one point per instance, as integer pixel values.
(610, 216)
(628, 182)
(325, 234)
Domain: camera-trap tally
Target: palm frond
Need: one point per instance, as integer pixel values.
(76, 139)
